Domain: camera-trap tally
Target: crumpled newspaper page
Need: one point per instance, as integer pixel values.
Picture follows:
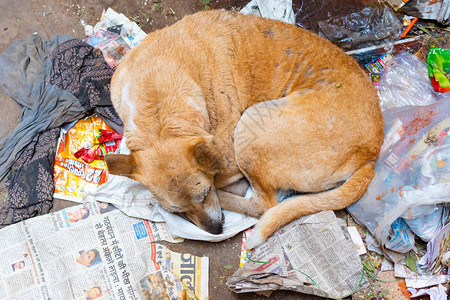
(276, 9)
(313, 255)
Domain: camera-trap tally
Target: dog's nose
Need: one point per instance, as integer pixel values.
(215, 228)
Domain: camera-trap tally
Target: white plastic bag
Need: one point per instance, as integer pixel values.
(406, 83)
(412, 175)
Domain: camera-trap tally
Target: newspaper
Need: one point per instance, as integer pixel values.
(112, 20)
(114, 35)
(95, 251)
(315, 247)
(276, 9)
(417, 281)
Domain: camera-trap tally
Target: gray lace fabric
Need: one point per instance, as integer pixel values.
(30, 180)
(56, 82)
(82, 70)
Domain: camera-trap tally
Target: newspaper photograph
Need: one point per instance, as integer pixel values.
(94, 251)
(313, 255)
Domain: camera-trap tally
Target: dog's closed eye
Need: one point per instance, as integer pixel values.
(175, 209)
(200, 197)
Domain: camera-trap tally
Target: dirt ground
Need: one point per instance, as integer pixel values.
(19, 18)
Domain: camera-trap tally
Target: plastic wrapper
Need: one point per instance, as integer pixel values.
(406, 83)
(427, 220)
(426, 9)
(106, 142)
(438, 61)
(73, 177)
(412, 176)
(373, 24)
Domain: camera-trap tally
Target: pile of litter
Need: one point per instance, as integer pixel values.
(105, 247)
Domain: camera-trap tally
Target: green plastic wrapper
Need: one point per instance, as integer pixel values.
(439, 68)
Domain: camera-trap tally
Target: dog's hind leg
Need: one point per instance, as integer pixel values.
(302, 205)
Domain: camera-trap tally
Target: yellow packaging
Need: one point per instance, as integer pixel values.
(73, 177)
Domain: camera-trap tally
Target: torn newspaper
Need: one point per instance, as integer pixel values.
(94, 250)
(276, 9)
(315, 247)
(114, 35)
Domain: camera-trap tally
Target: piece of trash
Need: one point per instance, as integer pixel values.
(406, 83)
(407, 174)
(114, 35)
(88, 29)
(401, 238)
(407, 20)
(113, 46)
(370, 54)
(115, 51)
(436, 247)
(431, 10)
(101, 39)
(415, 280)
(276, 9)
(107, 142)
(94, 249)
(228, 267)
(304, 258)
(103, 14)
(408, 28)
(245, 254)
(372, 25)
(130, 31)
(426, 223)
(411, 261)
(377, 67)
(357, 241)
(446, 259)
(381, 64)
(438, 292)
(73, 177)
(387, 265)
(375, 79)
(115, 29)
(438, 61)
(396, 4)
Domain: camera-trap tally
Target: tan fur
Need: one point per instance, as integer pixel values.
(220, 95)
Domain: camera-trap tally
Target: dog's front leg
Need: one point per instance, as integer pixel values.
(252, 207)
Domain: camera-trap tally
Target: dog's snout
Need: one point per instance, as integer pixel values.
(215, 228)
(214, 225)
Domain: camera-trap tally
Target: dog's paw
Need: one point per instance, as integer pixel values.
(255, 240)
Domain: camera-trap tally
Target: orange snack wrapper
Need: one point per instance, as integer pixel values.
(73, 177)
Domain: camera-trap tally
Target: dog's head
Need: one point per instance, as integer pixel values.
(180, 174)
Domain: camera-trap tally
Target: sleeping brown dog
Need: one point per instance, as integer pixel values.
(220, 95)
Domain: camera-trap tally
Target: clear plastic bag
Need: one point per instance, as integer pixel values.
(412, 176)
(406, 83)
(370, 25)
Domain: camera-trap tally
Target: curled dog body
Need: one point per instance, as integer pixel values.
(220, 96)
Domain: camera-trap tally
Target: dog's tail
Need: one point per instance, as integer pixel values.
(302, 205)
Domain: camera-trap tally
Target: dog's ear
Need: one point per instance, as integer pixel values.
(120, 164)
(207, 156)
